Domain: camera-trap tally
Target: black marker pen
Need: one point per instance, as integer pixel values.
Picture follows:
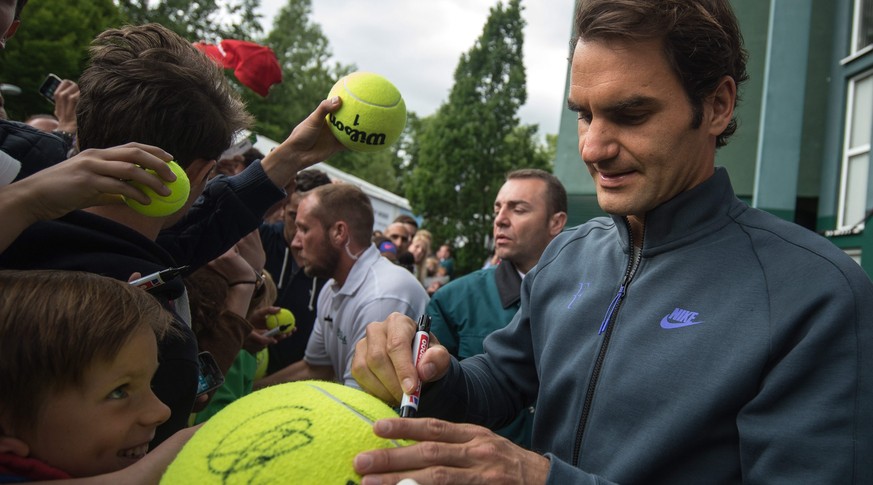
(409, 403)
(155, 280)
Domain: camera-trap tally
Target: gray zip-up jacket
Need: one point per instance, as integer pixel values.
(738, 350)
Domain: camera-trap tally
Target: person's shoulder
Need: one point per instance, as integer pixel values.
(783, 242)
(464, 284)
(593, 228)
(390, 275)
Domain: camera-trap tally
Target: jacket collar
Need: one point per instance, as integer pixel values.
(508, 283)
(686, 217)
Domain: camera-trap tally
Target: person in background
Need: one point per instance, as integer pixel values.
(386, 248)
(398, 233)
(687, 337)
(444, 255)
(297, 291)
(334, 225)
(410, 223)
(530, 210)
(420, 250)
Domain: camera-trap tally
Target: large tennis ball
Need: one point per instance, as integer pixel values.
(163, 205)
(300, 432)
(372, 115)
(284, 319)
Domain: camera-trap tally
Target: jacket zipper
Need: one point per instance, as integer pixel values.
(606, 326)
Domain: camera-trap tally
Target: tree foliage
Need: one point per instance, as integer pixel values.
(197, 20)
(54, 37)
(304, 55)
(474, 139)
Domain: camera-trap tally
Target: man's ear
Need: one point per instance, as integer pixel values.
(557, 223)
(339, 233)
(721, 103)
(199, 172)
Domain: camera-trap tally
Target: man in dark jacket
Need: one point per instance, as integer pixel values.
(687, 338)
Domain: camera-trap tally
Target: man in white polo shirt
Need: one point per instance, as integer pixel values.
(334, 227)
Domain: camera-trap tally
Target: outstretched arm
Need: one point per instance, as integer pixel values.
(309, 143)
(93, 177)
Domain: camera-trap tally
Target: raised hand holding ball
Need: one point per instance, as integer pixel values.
(163, 205)
(373, 113)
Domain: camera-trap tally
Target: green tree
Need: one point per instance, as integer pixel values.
(474, 139)
(197, 20)
(54, 37)
(304, 55)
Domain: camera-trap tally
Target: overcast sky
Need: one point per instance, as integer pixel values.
(416, 44)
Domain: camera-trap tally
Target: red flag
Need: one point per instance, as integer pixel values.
(254, 65)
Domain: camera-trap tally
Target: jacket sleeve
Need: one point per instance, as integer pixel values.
(228, 209)
(491, 388)
(812, 417)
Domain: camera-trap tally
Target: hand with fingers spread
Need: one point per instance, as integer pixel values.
(448, 453)
(383, 366)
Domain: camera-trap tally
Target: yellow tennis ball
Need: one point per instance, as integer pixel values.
(163, 205)
(372, 115)
(299, 432)
(283, 319)
(263, 360)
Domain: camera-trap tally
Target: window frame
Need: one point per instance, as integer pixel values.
(851, 152)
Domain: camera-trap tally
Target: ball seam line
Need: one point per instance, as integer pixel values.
(353, 410)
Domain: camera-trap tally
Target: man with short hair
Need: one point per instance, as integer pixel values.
(334, 228)
(398, 233)
(687, 338)
(410, 223)
(529, 211)
(296, 291)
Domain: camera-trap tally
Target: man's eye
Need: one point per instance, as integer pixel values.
(632, 118)
(586, 117)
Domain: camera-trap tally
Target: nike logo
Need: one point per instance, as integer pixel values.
(679, 318)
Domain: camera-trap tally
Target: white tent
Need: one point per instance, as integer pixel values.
(386, 205)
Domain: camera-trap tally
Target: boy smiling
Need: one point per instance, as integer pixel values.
(75, 374)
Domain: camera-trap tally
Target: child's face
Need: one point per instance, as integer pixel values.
(106, 423)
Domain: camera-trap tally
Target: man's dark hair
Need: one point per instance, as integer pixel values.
(146, 84)
(556, 195)
(406, 219)
(310, 179)
(702, 40)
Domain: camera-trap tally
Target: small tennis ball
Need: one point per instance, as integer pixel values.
(372, 115)
(263, 360)
(283, 319)
(299, 432)
(163, 205)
